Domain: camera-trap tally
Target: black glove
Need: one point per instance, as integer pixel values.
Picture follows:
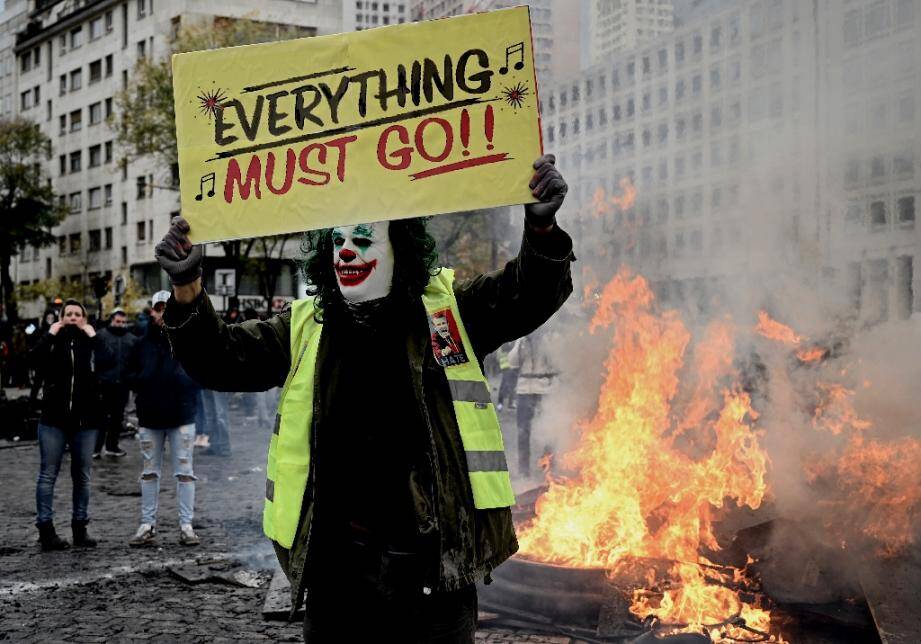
(548, 185)
(176, 254)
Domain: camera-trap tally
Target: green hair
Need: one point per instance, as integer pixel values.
(415, 262)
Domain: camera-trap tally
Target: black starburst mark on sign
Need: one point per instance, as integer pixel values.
(515, 95)
(210, 101)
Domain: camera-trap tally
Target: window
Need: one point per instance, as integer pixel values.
(647, 101)
(76, 79)
(906, 207)
(76, 120)
(716, 156)
(62, 245)
(96, 28)
(631, 108)
(716, 116)
(124, 219)
(903, 165)
(108, 151)
(75, 242)
(108, 60)
(62, 44)
(25, 100)
(95, 155)
(663, 59)
(76, 202)
(680, 89)
(698, 44)
(124, 255)
(615, 115)
(95, 71)
(679, 53)
(94, 198)
(107, 194)
(76, 37)
(141, 187)
(109, 21)
(142, 49)
(877, 167)
(76, 160)
(141, 231)
(715, 78)
(95, 113)
(878, 213)
(62, 163)
(108, 234)
(696, 85)
(95, 241)
(63, 119)
(716, 38)
(662, 134)
(142, 9)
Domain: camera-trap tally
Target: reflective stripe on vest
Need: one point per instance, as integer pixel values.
(289, 449)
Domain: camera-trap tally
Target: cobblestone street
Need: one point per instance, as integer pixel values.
(166, 593)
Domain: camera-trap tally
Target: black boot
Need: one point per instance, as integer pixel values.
(49, 538)
(81, 538)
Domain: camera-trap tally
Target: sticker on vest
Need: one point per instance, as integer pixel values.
(447, 344)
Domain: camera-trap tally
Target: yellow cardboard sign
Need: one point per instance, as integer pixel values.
(400, 121)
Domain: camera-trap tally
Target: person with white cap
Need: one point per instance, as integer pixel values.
(165, 398)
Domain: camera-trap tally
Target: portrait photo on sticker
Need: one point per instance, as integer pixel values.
(447, 344)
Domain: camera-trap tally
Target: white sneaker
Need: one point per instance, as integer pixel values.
(144, 536)
(187, 536)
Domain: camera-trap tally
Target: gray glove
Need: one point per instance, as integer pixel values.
(548, 185)
(176, 254)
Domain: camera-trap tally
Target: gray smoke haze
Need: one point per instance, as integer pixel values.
(814, 223)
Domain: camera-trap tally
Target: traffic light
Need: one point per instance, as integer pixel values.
(100, 287)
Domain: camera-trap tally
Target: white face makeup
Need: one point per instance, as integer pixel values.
(363, 260)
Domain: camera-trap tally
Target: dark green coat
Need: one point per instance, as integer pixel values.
(495, 308)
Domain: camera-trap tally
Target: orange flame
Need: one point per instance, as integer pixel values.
(636, 492)
(602, 204)
(812, 354)
(774, 330)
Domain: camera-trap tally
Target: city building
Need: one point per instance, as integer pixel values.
(71, 59)
(772, 143)
(542, 29)
(624, 25)
(366, 14)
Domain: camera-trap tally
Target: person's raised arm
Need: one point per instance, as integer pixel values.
(509, 303)
(252, 356)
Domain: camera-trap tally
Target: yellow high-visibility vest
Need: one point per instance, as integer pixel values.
(289, 449)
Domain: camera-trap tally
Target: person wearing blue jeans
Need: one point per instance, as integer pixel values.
(51, 443)
(214, 411)
(67, 358)
(165, 402)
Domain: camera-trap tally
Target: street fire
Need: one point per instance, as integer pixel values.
(637, 492)
(604, 204)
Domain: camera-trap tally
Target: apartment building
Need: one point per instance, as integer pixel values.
(622, 25)
(367, 14)
(775, 137)
(71, 59)
(541, 23)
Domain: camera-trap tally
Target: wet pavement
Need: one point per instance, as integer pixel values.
(163, 593)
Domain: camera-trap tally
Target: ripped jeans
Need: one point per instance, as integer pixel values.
(153, 441)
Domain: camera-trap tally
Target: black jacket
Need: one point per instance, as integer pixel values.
(496, 308)
(165, 396)
(67, 374)
(119, 348)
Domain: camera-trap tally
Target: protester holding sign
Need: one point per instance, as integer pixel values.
(388, 493)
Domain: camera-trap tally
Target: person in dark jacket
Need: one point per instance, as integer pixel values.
(113, 385)
(66, 359)
(165, 399)
(390, 535)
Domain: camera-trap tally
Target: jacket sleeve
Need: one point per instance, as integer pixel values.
(250, 356)
(39, 356)
(510, 303)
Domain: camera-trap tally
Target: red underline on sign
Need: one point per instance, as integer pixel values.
(460, 165)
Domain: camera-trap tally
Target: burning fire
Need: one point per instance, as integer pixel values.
(652, 465)
(774, 330)
(602, 204)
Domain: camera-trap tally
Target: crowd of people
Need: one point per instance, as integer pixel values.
(81, 380)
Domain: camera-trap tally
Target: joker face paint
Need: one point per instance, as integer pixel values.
(363, 260)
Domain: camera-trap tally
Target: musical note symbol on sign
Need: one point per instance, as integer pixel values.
(509, 51)
(201, 186)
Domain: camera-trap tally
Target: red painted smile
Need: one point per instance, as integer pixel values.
(354, 274)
